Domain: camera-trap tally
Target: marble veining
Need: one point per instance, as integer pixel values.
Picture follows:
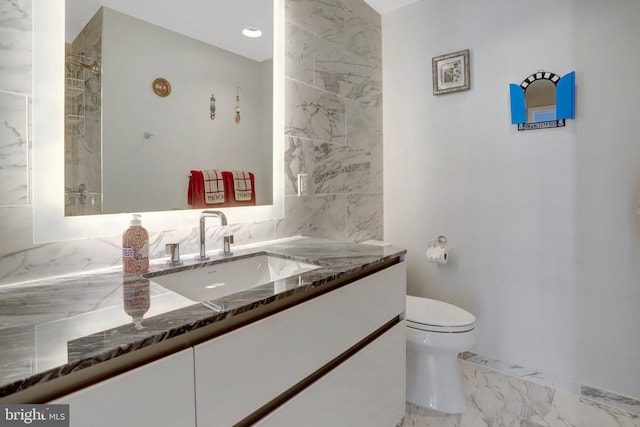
(345, 73)
(365, 212)
(15, 46)
(57, 258)
(315, 114)
(349, 23)
(588, 394)
(323, 216)
(13, 149)
(341, 169)
(84, 319)
(498, 399)
(522, 372)
(298, 158)
(299, 54)
(364, 124)
(593, 395)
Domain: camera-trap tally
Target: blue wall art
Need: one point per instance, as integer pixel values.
(543, 100)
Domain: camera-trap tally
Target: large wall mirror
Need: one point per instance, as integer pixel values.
(131, 150)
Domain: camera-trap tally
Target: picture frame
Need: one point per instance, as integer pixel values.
(451, 72)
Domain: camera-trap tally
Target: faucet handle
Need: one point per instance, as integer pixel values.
(227, 241)
(174, 250)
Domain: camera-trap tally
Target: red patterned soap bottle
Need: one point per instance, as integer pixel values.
(135, 247)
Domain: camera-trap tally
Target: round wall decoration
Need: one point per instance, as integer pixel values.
(161, 87)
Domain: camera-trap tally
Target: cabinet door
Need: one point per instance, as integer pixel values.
(160, 393)
(239, 372)
(367, 390)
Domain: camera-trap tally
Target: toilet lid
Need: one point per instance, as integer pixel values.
(430, 314)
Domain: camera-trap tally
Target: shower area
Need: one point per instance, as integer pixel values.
(83, 121)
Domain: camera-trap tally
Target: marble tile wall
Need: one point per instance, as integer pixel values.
(333, 121)
(503, 395)
(15, 91)
(333, 134)
(14, 150)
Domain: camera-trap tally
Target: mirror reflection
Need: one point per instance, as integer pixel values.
(130, 147)
(540, 101)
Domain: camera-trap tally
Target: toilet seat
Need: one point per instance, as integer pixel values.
(437, 316)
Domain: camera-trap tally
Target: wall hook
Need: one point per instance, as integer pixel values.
(148, 135)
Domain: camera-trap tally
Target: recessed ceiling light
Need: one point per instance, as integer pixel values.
(252, 32)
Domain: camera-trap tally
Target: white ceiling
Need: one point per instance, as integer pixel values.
(384, 6)
(217, 22)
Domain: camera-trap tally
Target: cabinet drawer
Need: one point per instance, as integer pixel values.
(157, 394)
(366, 390)
(241, 371)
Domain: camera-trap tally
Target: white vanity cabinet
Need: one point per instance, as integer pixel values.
(337, 359)
(159, 393)
(239, 372)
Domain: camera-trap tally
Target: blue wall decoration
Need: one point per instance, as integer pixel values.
(549, 116)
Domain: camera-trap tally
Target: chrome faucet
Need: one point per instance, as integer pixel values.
(227, 239)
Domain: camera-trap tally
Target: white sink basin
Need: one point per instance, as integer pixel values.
(225, 278)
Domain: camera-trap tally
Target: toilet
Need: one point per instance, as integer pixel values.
(436, 333)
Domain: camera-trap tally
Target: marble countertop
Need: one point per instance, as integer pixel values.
(53, 327)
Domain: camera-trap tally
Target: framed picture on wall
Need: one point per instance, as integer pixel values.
(451, 72)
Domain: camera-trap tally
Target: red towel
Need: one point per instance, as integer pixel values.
(246, 184)
(206, 189)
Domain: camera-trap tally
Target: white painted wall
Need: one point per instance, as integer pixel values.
(544, 223)
(152, 174)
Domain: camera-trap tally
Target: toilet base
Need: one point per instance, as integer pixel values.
(434, 381)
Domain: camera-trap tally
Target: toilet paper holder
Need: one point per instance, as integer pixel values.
(437, 252)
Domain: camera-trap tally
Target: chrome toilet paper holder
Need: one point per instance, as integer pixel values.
(437, 251)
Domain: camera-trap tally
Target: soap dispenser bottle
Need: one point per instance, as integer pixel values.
(135, 247)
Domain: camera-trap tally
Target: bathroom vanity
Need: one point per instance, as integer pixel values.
(324, 347)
